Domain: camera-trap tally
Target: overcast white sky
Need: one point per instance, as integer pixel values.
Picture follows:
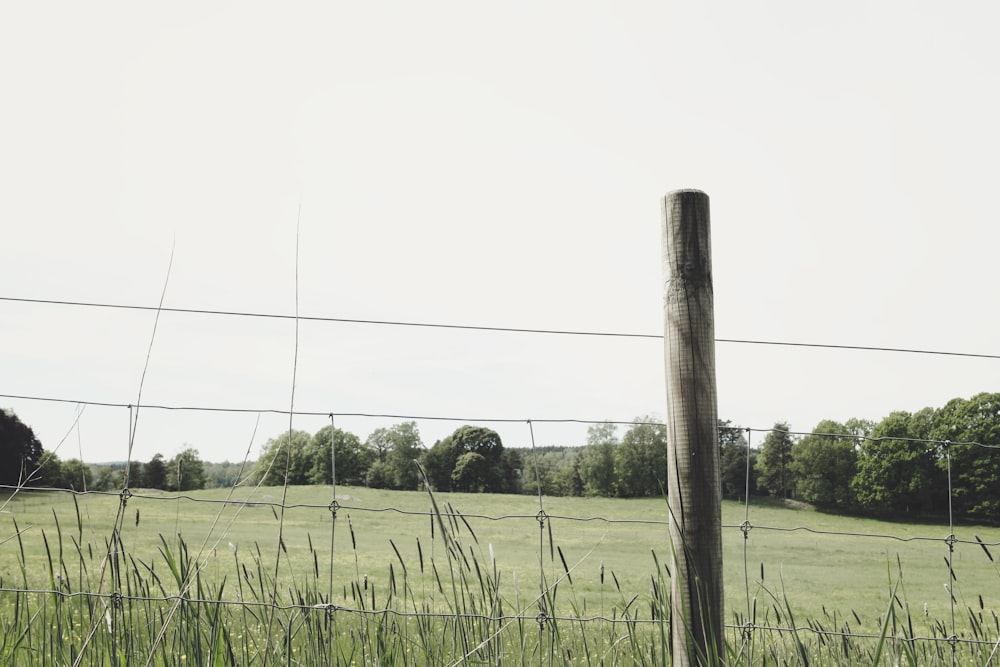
(492, 164)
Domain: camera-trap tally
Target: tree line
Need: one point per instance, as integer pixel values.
(904, 464)
(897, 466)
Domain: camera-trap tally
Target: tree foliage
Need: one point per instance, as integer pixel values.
(552, 471)
(824, 464)
(640, 460)
(972, 429)
(774, 472)
(20, 451)
(185, 471)
(109, 477)
(154, 473)
(77, 475)
(396, 450)
(352, 458)
(896, 472)
(283, 460)
(735, 474)
(224, 475)
(596, 463)
(486, 474)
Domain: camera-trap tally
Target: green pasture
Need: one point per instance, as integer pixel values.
(592, 557)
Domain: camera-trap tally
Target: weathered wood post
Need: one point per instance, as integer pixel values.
(693, 481)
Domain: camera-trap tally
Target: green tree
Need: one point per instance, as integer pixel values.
(438, 462)
(897, 473)
(395, 449)
(185, 471)
(377, 476)
(597, 460)
(441, 459)
(353, 458)
(154, 473)
(641, 460)
(224, 475)
(108, 477)
(973, 428)
(49, 472)
(284, 460)
(471, 472)
(774, 473)
(379, 442)
(555, 469)
(733, 467)
(512, 465)
(824, 464)
(20, 451)
(77, 475)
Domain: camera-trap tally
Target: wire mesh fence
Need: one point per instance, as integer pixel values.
(336, 572)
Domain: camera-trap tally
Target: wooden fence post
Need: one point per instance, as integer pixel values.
(693, 480)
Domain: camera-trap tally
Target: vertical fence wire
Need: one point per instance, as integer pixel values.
(748, 624)
(546, 615)
(950, 540)
(334, 505)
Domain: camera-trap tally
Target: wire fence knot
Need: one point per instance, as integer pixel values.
(746, 527)
(123, 496)
(541, 517)
(334, 507)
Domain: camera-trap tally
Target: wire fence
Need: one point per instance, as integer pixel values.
(554, 570)
(105, 559)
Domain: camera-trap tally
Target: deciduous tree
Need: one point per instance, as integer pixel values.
(486, 475)
(353, 458)
(20, 451)
(641, 460)
(897, 473)
(824, 464)
(284, 460)
(733, 453)
(185, 471)
(402, 447)
(774, 462)
(154, 473)
(597, 460)
(77, 475)
(972, 427)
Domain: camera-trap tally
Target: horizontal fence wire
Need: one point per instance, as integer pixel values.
(480, 328)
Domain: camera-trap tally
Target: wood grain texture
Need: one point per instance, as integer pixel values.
(693, 479)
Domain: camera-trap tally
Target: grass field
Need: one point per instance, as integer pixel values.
(594, 558)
